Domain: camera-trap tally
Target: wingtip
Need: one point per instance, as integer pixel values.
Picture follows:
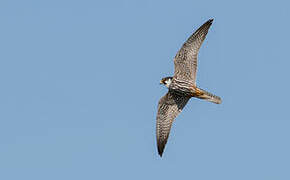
(207, 23)
(160, 151)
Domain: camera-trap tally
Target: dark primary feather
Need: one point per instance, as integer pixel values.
(185, 61)
(169, 107)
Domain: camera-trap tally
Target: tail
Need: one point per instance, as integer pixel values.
(202, 94)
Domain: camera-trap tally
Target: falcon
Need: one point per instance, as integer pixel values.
(182, 86)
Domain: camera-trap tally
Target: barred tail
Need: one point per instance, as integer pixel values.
(208, 96)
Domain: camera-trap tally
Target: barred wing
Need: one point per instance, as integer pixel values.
(185, 61)
(169, 107)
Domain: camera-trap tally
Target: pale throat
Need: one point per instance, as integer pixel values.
(168, 82)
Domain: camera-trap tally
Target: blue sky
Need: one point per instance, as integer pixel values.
(80, 86)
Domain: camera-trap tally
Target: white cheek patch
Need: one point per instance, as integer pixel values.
(168, 82)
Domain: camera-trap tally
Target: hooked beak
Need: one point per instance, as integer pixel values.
(160, 82)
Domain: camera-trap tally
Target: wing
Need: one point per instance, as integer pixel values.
(169, 107)
(185, 61)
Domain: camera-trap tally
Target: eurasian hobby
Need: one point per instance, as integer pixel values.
(182, 86)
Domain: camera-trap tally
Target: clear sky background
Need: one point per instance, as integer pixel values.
(80, 86)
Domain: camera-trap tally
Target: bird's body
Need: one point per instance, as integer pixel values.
(182, 86)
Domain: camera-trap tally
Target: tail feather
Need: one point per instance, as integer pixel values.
(208, 96)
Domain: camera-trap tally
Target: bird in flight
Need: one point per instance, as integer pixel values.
(182, 86)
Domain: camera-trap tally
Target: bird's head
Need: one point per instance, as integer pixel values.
(166, 81)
